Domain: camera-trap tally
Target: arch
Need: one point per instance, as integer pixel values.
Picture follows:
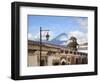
(63, 61)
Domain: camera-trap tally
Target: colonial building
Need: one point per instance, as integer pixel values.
(54, 54)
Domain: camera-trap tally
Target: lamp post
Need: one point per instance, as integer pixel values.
(47, 38)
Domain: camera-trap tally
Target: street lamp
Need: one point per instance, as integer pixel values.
(47, 38)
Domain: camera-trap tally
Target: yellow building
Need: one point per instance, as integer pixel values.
(53, 55)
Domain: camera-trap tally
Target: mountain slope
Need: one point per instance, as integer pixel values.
(61, 39)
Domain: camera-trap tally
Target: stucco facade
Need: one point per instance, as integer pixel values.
(53, 55)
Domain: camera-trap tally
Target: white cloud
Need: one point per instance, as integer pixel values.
(81, 36)
(83, 22)
(30, 36)
(36, 37)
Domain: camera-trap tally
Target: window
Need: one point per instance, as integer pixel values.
(66, 52)
(70, 52)
(74, 53)
(68, 59)
(62, 51)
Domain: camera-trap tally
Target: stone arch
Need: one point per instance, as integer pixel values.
(63, 61)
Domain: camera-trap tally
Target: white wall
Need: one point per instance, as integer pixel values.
(5, 40)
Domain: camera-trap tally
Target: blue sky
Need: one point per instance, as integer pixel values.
(57, 25)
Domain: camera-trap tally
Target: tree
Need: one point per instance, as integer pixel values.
(73, 43)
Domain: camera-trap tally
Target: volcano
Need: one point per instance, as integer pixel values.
(61, 39)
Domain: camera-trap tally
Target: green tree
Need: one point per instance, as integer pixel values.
(73, 43)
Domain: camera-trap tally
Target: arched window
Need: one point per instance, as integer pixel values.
(66, 52)
(62, 51)
(74, 53)
(70, 52)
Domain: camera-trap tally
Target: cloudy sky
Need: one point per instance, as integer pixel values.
(71, 25)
